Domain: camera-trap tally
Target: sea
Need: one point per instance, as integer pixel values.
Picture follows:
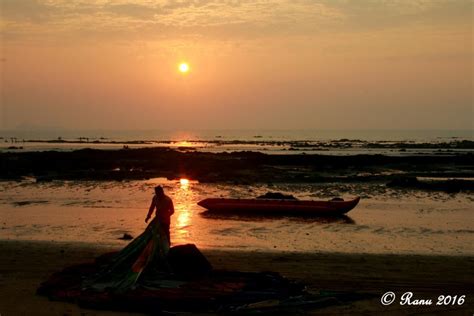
(247, 134)
(332, 142)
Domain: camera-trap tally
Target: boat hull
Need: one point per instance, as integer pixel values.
(267, 206)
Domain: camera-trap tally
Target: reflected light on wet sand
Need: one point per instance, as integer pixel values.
(100, 212)
(183, 203)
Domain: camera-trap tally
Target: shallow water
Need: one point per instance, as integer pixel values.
(247, 134)
(385, 221)
(325, 142)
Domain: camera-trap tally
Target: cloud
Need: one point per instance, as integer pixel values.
(26, 10)
(205, 18)
(133, 10)
(185, 18)
(382, 14)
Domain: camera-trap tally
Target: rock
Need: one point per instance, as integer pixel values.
(126, 237)
(187, 261)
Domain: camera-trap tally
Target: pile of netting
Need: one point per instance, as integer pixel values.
(146, 276)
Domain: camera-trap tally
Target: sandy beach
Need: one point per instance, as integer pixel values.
(26, 264)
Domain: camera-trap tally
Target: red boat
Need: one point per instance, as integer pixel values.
(262, 206)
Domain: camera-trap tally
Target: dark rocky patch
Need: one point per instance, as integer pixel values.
(236, 167)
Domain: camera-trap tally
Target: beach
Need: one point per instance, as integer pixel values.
(25, 264)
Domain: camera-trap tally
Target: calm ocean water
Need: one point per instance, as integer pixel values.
(249, 135)
(268, 141)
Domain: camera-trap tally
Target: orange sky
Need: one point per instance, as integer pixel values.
(254, 64)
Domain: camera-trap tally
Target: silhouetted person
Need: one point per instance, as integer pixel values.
(164, 210)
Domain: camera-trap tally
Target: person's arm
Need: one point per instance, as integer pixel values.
(150, 210)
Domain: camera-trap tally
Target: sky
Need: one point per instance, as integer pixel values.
(263, 64)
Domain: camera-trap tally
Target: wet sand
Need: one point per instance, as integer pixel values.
(386, 221)
(25, 264)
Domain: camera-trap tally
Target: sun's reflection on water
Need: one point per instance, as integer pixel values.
(184, 197)
(184, 183)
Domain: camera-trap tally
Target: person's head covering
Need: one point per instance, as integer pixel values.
(159, 190)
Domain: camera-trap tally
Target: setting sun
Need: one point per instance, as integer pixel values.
(183, 67)
(184, 181)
